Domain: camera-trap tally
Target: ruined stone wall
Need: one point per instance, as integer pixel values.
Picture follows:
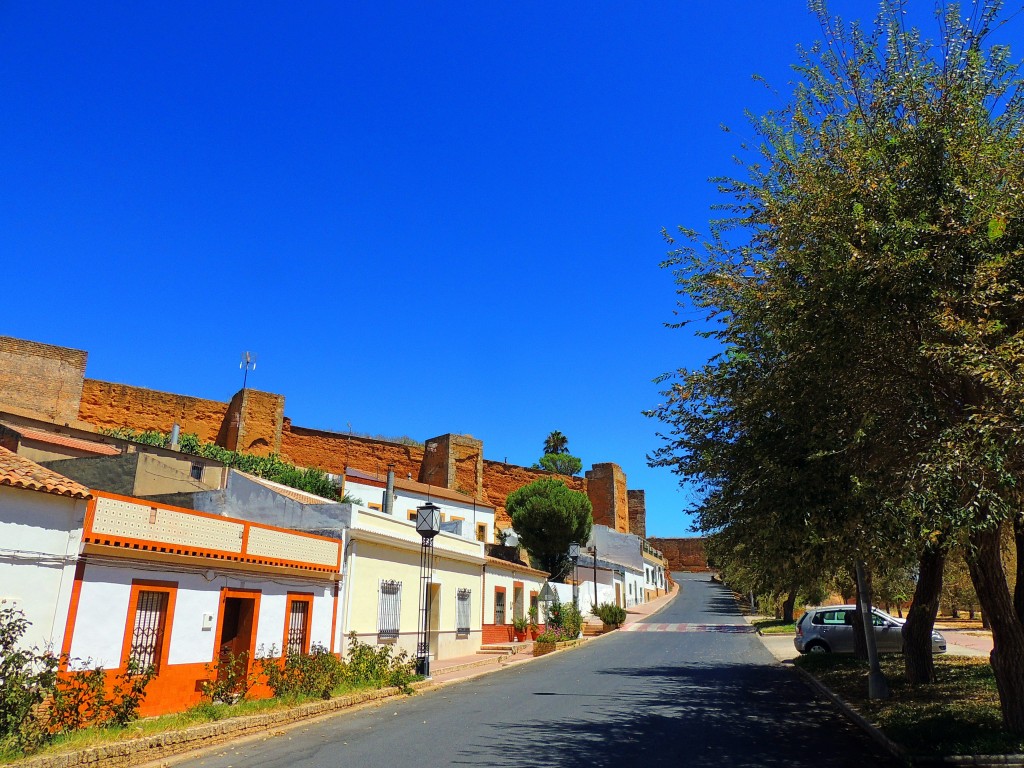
(119, 405)
(683, 554)
(41, 380)
(606, 487)
(637, 501)
(261, 423)
(499, 480)
(333, 451)
(455, 462)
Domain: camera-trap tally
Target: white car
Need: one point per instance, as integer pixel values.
(829, 629)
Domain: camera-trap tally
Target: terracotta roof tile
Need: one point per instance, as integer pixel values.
(68, 442)
(18, 472)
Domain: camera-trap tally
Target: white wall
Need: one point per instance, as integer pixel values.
(106, 590)
(406, 500)
(40, 534)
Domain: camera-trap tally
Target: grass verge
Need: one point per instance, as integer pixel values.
(775, 627)
(957, 715)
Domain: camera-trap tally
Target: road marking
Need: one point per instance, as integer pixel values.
(686, 627)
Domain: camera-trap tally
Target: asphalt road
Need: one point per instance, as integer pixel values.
(692, 687)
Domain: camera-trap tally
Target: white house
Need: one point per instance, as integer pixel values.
(41, 516)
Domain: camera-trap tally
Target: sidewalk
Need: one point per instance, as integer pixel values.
(447, 671)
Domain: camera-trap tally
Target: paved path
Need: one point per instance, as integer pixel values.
(693, 688)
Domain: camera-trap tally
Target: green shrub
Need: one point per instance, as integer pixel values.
(611, 614)
(315, 674)
(232, 678)
(80, 698)
(379, 666)
(27, 679)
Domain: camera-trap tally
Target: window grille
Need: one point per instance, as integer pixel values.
(297, 627)
(197, 470)
(148, 631)
(389, 609)
(462, 612)
(499, 607)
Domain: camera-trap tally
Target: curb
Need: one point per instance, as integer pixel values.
(895, 749)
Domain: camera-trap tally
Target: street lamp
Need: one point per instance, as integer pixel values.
(593, 550)
(574, 555)
(428, 525)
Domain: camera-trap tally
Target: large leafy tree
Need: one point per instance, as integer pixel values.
(868, 285)
(547, 516)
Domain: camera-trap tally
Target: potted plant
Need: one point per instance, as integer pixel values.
(519, 628)
(612, 616)
(534, 625)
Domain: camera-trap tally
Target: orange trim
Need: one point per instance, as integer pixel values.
(149, 545)
(297, 597)
(147, 503)
(251, 594)
(334, 615)
(150, 585)
(69, 628)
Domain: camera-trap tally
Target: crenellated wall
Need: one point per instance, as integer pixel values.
(48, 382)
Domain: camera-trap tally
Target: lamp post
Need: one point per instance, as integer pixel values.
(593, 550)
(428, 524)
(574, 555)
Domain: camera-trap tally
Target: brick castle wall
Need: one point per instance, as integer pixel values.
(606, 487)
(682, 554)
(49, 383)
(41, 380)
(119, 405)
(333, 451)
(637, 502)
(500, 479)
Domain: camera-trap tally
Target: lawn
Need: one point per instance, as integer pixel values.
(775, 627)
(958, 715)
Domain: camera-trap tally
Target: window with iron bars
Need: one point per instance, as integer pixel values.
(499, 608)
(462, 611)
(389, 609)
(297, 616)
(148, 629)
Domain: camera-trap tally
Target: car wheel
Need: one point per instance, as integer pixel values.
(817, 647)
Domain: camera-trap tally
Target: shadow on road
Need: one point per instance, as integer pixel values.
(723, 715)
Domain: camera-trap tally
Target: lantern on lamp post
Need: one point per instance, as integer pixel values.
(428, 525)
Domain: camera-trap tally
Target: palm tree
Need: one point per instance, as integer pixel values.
(556, 442)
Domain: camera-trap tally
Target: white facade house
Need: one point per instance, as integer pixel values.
(460, 514)
(41, 516)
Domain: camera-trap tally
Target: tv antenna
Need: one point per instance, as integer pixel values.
(248, 362)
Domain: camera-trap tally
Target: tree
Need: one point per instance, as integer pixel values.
(547, 516)
(867, 287)
(556, 442)
(561, 463)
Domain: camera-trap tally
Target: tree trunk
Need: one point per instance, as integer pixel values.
(860, 646)
(1018, 589)
(917, 632)
(787, 607)
(997, 605)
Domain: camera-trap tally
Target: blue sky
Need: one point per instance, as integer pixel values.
(422, 217)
